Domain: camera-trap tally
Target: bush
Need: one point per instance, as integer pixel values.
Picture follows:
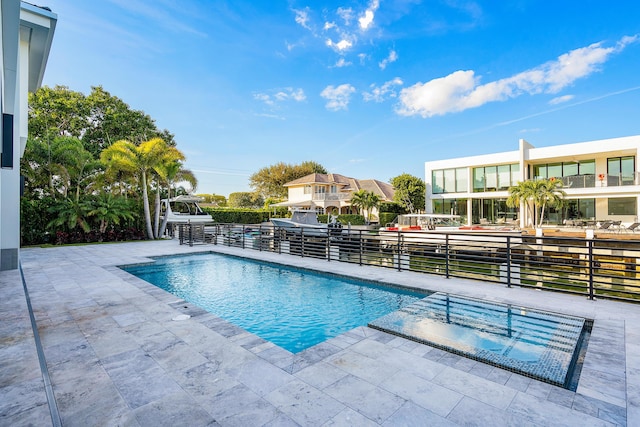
(391, 207)
(344, 219)
(237, 216)
(387, 217)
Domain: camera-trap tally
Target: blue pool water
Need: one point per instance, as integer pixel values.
(534, 343)
(292, 308)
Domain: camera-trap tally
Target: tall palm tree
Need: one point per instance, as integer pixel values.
(139, 160)
(366, 201)
(536, 195)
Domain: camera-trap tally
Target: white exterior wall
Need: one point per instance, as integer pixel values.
(528, 155)
(27, 32)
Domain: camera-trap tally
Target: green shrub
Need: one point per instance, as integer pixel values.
(391, 207)
(237, 216)
(387, 217)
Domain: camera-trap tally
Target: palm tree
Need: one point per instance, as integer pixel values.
(111, 209)
(72, 213)
(140, 161)
(366, 201)
(536, 196)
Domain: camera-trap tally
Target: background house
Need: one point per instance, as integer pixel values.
(600, 179)
(328, 192)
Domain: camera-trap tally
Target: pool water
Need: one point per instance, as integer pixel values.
(293, 308)
(534, 343)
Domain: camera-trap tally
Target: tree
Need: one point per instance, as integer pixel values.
(140, 161)
(269, 181)
(365, 201)
(70, 213)
(97, 120)
(109, 209)
(214, 199)
(536, 195)
(409, 191)
(245, 200)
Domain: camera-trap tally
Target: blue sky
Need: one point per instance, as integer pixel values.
(368, 89)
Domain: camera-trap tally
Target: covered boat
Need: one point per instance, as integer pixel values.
(183, 209)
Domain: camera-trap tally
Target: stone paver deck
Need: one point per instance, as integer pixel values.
(118, 354)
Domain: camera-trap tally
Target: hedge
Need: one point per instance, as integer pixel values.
(344, 219)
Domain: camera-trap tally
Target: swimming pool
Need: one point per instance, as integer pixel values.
(292, 308)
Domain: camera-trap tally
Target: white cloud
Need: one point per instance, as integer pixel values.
(461, 90)
(346, 13)
(329, 25)
(280, 95)
(387, 90)
(338, 97)
(366, 19)
(302, 17)
(341, 46)
(393, 57)
(561, 99)
(342, 63)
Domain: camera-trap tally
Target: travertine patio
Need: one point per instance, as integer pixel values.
(117, 354)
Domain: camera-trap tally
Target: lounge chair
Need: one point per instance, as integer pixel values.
(633, 227)
(605, 225)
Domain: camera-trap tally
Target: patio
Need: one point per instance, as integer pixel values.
(118, 353)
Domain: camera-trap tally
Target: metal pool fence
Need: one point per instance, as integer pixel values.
(596, 268)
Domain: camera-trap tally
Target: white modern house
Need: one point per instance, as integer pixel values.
(26, 34)
(600, 179)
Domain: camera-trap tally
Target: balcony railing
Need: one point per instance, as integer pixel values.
(601, 180)
(331, 196)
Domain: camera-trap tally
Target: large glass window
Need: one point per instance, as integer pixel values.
(622, 206)
(451, 207)
(462, 180)
(621, 170)
(492, 211)
(579, 209)
(478, 179)
(495, 178)
(449, 181)
(573, 174)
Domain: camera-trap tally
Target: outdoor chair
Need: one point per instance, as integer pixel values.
(605, 225)
(633, 227)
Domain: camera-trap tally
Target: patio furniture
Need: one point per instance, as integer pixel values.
(605, 225)
(632, 228)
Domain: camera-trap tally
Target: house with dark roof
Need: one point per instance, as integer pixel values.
(330, 192)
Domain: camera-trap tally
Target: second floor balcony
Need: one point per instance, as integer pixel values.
(331, 196)
(600, 180)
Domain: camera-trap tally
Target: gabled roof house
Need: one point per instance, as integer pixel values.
(329, 192)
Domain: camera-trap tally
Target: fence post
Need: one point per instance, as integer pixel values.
(328, 245)
(190, 234)
(446, 256)
(243, 236)
(360, 243)
(399, 251)
(591, 291)
(260, 238)
(302, 242)
(508, 261)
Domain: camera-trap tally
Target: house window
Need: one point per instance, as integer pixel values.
(622, 206)
(307, 189)
(321, 189)
(495, 178)
(333, 189)
(449, 181)
(621, 170)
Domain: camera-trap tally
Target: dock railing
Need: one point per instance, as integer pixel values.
(595, 267)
